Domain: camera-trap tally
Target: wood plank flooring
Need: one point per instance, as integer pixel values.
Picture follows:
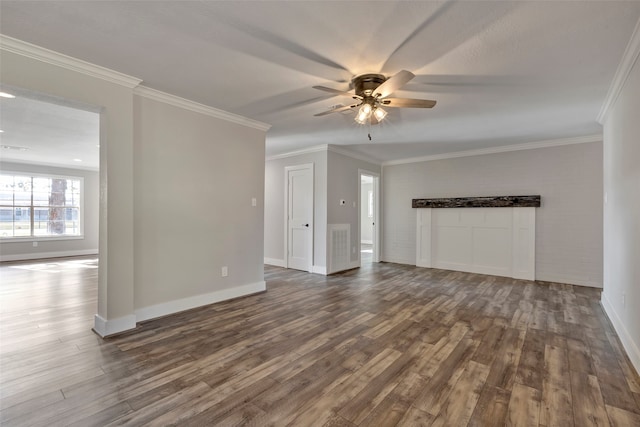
(384, 345)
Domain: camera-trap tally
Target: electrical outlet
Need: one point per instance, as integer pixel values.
(225, 271)
(35, 244)
(254, 202)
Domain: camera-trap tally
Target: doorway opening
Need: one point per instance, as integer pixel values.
(50, 198)
(368, 218)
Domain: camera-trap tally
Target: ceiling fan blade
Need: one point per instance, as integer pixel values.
(393, 83)
(336, 110)
(407, 103)
(337, 92)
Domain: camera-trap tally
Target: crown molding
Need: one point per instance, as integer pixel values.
(167, 98)
(38, 53)
(503, 149)
(625, 66)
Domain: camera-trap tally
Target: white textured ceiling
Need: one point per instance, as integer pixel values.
(503, 72)
(48, 131)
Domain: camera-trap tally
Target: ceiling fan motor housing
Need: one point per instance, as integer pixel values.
(365, 84)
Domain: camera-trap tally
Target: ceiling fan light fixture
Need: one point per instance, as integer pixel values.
(379, 113)
(364, 113)
(361, 118)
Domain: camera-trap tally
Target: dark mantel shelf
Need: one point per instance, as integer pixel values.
(479, 202)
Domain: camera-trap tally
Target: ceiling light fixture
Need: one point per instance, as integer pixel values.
(6, 95)
(379, 114)
(364, 114)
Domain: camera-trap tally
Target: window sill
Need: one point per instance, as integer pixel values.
(39, 239)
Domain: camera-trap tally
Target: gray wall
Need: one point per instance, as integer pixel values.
(52, 248)
(622, 215)
(115, 282)
(335, 177)
(568, 225)
(113, 95)
(194, 179)
(343, 181)
(275, 206)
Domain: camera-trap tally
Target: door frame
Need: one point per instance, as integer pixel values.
(287, 169)
(376, 212)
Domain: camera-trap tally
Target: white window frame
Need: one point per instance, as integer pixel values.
(14, 239)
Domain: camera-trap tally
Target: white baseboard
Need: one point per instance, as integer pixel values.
(274, 262)
(42, 255)
(172, 307)
(628, 343)
(104, 327)
(319, 269)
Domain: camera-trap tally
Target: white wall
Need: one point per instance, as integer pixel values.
(366, 227)
(10, 251)
(568, 225)
(274, 199)
(343, 182)
(194, 180)
(622, 215)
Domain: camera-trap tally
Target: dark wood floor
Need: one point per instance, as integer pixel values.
(384, 345)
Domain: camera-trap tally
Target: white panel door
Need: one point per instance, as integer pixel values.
(300, 217)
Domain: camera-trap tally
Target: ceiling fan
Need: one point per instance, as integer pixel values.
(371, 92)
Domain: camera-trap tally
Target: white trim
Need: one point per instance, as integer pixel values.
(176, 306)
(177, 101)
(366, 242)
(629, 58)
(42, 255)
(104, 327)
(631, 347)
(314, 149)
(38, 53)
(274, 262)
(318, 269)
(40, 239)
(502, 149)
